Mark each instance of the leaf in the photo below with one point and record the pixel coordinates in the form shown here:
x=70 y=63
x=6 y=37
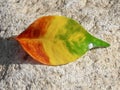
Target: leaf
x=57 y=40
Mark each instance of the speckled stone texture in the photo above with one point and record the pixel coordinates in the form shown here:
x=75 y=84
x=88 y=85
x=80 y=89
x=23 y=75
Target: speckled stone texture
x=99 y=69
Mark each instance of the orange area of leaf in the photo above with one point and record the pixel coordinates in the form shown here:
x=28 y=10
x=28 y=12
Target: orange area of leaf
x=30 y=39
x=36 y=50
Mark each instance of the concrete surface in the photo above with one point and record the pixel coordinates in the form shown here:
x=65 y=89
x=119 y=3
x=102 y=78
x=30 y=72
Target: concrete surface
x=99 y=69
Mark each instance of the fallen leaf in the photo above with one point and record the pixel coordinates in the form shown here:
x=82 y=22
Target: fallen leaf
x=57 y=40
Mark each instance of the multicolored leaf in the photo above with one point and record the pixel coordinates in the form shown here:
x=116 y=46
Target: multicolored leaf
x=57 y=40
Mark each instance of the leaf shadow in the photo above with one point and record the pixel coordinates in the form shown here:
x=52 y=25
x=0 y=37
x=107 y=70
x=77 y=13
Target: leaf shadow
x=12 y=53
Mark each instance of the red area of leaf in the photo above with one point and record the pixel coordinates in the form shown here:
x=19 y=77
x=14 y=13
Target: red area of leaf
x=37 y=29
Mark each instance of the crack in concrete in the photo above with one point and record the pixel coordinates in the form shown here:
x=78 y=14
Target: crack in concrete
x=3 y=72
